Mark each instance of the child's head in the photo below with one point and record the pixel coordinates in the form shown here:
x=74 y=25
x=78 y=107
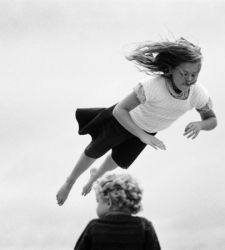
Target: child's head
x=162 y=57
x=118 y=192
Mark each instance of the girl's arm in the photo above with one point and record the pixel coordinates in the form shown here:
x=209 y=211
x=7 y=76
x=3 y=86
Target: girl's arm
x=121 y=113
x=208 y=122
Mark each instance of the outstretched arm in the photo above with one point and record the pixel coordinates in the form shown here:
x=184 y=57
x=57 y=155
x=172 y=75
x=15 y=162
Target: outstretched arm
x=121 y=113
x=208 y=122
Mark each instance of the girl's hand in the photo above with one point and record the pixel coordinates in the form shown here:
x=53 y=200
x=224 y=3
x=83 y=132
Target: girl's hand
x=153 y=142
x=192 y=130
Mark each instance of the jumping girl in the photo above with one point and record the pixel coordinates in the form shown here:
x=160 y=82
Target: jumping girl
x=154 y=104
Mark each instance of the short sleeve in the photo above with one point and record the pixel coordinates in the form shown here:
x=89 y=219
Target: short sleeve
x=140 y=93
x=210 y=103
x=208 y=106
x=147 y=89
x=202 y=97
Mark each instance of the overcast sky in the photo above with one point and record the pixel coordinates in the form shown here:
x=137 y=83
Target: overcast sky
x=56 y=56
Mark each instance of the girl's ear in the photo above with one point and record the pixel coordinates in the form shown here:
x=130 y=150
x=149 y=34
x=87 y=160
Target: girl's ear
x=109 y=202
x=170 y=71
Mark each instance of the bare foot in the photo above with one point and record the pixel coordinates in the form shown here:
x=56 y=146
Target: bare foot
x=63 y=193
x=87 y=188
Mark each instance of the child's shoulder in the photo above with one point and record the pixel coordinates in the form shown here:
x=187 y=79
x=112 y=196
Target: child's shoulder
x=153 y=84
x=93 y=222
x=153 y=79
x=199 y=89
x=120 y=220
x=143 y=220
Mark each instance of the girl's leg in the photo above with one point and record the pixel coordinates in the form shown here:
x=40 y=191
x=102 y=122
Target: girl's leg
x=83 y=164
x=108 y=165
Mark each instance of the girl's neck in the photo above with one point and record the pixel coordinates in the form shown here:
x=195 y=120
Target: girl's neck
x=176 y=90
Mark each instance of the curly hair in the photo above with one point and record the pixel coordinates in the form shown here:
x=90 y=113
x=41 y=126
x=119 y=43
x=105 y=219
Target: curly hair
x=123 y=191
x=159 y=57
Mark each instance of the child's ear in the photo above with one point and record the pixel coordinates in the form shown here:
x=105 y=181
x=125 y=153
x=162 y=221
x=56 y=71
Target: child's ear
x=109 y=202
x=169 y=71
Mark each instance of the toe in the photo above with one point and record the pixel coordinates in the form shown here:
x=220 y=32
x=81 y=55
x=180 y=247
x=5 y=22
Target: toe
x=60 y=202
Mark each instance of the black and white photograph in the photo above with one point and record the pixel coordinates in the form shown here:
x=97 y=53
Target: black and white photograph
x=112 y=132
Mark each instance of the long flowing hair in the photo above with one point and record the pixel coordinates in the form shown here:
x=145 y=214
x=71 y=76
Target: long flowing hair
x=160 y=57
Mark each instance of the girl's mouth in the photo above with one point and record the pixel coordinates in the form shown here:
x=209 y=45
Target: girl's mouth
x=187 y=85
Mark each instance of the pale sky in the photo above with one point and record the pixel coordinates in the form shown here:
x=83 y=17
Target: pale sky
x=59 y=55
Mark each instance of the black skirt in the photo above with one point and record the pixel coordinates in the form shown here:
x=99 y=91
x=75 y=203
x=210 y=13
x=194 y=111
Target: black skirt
x=108 y=134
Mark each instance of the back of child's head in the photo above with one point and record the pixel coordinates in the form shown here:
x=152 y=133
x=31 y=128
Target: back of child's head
x=160 y=57
x=122 y=190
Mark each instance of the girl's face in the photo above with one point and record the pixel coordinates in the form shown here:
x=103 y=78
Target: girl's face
x=103 y=206
x=185 y=75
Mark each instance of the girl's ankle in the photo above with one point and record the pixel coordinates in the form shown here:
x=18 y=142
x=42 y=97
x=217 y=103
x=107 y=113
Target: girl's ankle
x=70 y=182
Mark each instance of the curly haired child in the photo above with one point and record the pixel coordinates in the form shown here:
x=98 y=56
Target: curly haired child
x=118 y=199
x=170 y=90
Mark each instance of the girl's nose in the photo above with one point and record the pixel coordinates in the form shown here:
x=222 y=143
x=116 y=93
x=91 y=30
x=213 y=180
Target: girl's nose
x=189 y=78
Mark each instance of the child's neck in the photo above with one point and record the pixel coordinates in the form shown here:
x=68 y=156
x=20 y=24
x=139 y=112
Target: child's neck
x=176 y=90
x=117 y=212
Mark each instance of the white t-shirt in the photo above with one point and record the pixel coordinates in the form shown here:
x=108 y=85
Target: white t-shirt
x=158 y=108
